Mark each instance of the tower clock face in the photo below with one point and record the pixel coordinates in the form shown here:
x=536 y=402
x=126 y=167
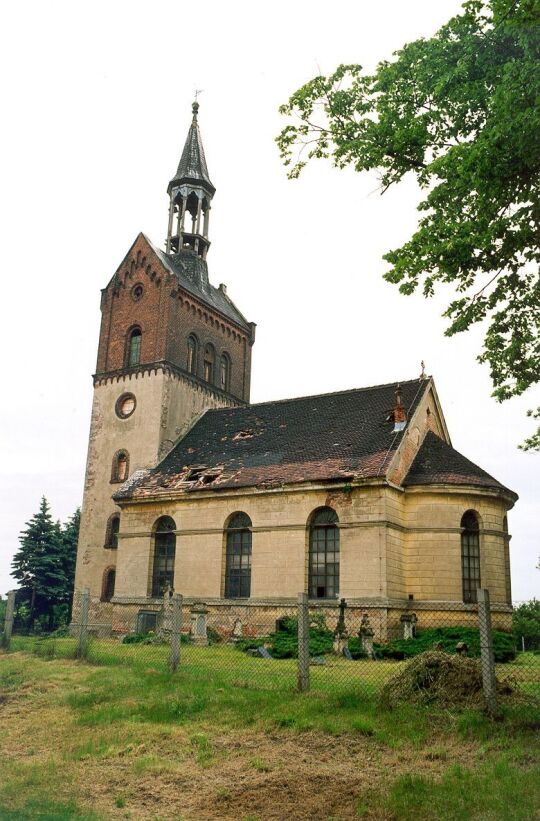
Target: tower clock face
x=125 y=405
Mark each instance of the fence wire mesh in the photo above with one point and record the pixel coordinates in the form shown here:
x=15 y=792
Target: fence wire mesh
x=473 y=657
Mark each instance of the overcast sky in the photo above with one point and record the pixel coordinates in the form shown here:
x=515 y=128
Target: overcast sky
x=96 y=104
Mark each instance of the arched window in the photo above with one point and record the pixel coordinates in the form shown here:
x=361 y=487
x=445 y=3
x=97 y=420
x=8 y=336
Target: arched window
x=107 y=587
x=209 y=360
x=324 y=555
x=238 y=557
x=470 y=555
x=224 y=372
x=133 y=355
x=164 y=554
x=120 y=466
x=507 y=577
x=111 y=536
x=192 y=354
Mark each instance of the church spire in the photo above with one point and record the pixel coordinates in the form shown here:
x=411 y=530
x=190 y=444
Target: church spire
x=190 y=192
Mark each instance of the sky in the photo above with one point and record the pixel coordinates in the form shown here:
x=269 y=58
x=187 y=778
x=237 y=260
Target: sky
x=96 y=104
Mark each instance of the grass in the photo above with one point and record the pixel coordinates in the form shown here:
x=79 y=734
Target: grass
x=228 y=737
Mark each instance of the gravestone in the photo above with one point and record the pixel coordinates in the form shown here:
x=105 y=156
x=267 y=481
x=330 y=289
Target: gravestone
x=347 y=654
x=236 y=634
x=198 y=631
x=366 y=634
x=409 y=621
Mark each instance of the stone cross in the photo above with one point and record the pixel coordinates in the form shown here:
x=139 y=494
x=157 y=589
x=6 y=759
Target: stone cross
x=341 y=636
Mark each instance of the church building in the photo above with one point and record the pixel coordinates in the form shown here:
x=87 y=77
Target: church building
x=189 y=487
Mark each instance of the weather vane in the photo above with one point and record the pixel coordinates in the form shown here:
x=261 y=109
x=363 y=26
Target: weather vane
x=197 y=92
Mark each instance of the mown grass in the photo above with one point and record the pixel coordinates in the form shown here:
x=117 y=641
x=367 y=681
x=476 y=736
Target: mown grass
x=127 y=709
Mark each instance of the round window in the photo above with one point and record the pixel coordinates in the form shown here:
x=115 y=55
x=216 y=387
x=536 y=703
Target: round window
x=125 y=405
x=137 y=291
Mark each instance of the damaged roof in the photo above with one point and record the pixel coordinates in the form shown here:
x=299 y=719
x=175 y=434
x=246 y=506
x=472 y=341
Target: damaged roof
x=334 y=436
x=438 y=463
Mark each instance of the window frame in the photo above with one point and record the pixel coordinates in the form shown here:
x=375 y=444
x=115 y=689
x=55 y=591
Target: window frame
x=225 y=362
x=111 y=536
x=470 y=557
x=106 y=593
x=164 y=539
x=329 y=530
x=209 y=358
x=191 y=363
x=238 y=545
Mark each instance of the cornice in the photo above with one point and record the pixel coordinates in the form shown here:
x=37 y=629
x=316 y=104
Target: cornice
x=164 y=366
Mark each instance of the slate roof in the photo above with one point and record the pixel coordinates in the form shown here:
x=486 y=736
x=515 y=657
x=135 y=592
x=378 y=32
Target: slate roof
x=192 y=274
x=438 y=463
x=192 y=166
x=334 y=436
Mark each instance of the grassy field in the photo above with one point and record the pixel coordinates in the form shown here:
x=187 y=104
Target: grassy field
x=228 y=738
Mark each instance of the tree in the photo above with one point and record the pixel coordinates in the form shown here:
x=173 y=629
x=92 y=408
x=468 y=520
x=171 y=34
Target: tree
x=526 y=624
x=460 y=111
x=44 y=566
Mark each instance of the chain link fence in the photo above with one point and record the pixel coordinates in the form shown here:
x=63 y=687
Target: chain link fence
x=470 y=656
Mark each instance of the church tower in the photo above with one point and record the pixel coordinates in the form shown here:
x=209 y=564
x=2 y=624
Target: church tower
x=171 y=346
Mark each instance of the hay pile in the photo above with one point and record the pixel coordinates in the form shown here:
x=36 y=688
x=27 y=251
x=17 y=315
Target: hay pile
x=438 y=677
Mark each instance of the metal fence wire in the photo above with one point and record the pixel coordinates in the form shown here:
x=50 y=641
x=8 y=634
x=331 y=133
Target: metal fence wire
x=473 y=654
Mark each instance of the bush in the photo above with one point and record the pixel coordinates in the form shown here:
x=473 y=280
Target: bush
x=446 y=638
x=284 y=643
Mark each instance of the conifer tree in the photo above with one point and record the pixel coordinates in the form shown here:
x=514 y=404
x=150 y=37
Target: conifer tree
x=37 y=564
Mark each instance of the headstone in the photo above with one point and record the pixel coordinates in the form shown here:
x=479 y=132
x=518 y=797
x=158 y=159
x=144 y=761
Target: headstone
x=462 y=648
x=366 y=634
x=236 y=634
x=198 y=631
x=347 y=654
x=409 y=621
x=263 y=653
x=317 y=660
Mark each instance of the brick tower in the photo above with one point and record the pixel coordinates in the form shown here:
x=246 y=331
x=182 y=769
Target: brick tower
x=171 y=346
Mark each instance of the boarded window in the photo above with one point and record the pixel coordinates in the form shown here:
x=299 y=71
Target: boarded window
x=324 y=555
x=238 y=557
x=134 y=347
x=209 y=360
x=224 y=373
x=192 y=354
x=120 y=466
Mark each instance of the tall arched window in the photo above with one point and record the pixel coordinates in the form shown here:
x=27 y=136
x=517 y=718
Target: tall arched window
x=324 y=554
x=238 y=557
x=507 y=577
x=192 y=354
x=164 y=554
x=209 y=360
x=107 y=587
x=133 y=356
x=120 y=466
x=224 y=372
x=470 y=556
x=111 y=536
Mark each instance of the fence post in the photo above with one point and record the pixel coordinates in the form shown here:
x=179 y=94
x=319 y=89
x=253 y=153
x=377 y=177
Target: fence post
x=486 y=651
x=303 y=642
x=176 y=628
x=83 y=624
x=8 y=622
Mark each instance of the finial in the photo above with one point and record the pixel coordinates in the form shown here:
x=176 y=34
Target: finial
x=423 y=366
x=398 y=395
x=195 y=108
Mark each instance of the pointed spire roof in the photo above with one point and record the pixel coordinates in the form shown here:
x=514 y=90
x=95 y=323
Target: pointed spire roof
x=192 y=168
